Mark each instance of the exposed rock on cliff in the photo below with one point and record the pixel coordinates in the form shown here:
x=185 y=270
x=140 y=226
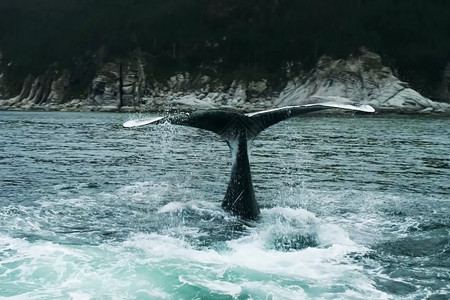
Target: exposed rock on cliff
x=122 y=85
x=363 y=79
x=59 y=89
x=117 y=84
x=46 y=90
x=186 y=93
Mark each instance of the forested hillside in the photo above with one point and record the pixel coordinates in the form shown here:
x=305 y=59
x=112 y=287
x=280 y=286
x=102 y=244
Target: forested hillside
x=223 y=38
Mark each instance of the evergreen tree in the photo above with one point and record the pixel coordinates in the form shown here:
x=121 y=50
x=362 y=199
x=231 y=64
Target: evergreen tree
x=226 y=37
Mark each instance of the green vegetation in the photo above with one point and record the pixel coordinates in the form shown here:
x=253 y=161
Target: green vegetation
x=224 y=38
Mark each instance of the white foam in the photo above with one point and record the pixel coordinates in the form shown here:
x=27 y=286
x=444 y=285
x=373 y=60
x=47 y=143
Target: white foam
x=331 y=234
x=273 y=290
x=320 y=267
x=159 y=266
x=216 y=286
x=172 y=207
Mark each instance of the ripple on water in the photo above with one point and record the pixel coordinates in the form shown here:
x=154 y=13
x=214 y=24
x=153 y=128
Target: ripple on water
x=352 y=208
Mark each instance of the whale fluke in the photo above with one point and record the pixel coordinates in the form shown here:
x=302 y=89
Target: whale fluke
x=239 y=130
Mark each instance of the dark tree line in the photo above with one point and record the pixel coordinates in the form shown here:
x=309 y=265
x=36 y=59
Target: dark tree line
x=231 y=38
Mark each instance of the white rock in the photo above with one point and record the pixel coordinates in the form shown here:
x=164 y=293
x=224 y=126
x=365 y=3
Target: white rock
x=396 y=102
x=427 y=110
x=193 y=102
x=361 y=79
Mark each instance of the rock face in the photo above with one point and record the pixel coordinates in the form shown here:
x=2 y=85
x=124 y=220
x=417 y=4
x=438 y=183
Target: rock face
x=363 y=79
x=117 y=84
x=186 y=93
x=59 y=89
x=50 y=89
x=122 y=85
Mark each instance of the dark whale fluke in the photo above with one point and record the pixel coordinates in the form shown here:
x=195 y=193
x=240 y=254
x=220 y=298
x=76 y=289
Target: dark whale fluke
x=239 y=130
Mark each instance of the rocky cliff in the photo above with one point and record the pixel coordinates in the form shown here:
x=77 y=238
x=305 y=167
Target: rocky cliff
x=363 y=79
x=123 y=85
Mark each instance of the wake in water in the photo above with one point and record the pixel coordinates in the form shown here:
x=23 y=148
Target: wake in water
x=184 y=249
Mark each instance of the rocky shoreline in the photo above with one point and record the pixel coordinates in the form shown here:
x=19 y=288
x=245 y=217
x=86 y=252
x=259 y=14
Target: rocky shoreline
x=122 y=87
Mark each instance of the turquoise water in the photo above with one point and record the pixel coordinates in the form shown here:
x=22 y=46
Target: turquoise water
x=352 y=208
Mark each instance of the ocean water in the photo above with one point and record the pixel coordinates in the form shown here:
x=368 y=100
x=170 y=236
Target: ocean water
x=353 y=207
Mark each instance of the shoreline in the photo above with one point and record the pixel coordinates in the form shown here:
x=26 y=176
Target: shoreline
x=175 y=109
x=361 y=80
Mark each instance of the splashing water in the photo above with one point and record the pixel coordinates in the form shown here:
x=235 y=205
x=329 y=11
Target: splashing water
x=91 y=211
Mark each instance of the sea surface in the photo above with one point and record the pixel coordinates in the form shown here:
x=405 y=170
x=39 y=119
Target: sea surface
x=352 y=207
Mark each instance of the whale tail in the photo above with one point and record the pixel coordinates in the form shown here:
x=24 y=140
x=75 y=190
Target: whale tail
x=239 y=130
